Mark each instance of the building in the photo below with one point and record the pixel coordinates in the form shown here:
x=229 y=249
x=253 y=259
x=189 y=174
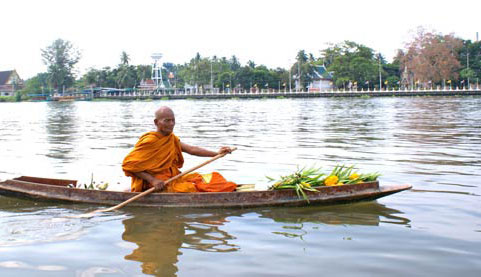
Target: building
x=147 y=84
x=322 y=79
x=10 y=82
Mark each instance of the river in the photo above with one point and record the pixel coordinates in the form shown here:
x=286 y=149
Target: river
x=432 y=143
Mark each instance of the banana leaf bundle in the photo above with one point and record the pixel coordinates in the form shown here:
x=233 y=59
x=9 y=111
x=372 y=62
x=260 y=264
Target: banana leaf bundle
x=303 y=180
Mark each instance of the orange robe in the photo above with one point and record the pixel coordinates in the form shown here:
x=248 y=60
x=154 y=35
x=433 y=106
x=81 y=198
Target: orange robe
x=161 y=156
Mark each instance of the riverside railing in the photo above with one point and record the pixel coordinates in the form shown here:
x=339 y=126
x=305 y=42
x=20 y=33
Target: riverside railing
x=271 y=92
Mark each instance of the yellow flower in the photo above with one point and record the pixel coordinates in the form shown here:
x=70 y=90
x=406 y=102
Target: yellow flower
x=304 y=184
x=354 y=176
x=331 y=180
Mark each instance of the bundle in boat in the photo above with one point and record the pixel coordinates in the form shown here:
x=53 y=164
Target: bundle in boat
x=310 y=179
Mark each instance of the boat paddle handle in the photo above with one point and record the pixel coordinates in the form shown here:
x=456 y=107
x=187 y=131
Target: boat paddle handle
x=152 y=189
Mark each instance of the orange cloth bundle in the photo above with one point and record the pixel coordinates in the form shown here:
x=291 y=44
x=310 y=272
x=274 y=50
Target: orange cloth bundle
x=161 y=156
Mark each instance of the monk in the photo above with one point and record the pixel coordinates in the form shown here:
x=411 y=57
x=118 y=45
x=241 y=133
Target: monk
x=157 y=156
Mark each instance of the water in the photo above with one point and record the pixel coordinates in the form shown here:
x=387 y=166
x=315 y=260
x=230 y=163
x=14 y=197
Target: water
x=432 y=143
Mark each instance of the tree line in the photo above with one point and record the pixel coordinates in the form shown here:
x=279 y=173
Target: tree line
x=429 y=59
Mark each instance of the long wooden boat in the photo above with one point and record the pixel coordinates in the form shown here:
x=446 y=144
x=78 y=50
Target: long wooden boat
x=59 y=190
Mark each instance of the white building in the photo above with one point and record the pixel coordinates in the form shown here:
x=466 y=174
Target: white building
x=322 y=79
x=9 y=83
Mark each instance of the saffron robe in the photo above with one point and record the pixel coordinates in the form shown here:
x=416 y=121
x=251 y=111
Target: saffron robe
x=161 y=156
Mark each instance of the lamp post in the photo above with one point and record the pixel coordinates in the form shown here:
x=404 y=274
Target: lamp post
x=299 y=74
x=290 y=87
x=380 y=77
x=211 y=78
x=467 y=65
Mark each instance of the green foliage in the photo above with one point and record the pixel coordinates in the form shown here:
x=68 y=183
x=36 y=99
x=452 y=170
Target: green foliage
x=392 y=81
x=60 y=58
x=467 y=73
x=303 y=180
x=470 y=52
x=199 y=71
x=303 y=68
x=7 y=99
x=124 y=58
x=38 y=84
x=124 y=76
x=351 y=62
x=348 y=61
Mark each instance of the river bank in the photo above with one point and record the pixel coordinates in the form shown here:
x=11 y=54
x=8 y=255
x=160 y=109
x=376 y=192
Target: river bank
x=180 y=94
x=292 y=94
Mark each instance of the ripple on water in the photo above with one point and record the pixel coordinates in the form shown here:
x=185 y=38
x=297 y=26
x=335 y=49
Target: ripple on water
x=32 y=226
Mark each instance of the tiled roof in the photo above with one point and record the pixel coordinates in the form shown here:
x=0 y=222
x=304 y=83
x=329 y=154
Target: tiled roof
x=4 y=75
x=321 y=72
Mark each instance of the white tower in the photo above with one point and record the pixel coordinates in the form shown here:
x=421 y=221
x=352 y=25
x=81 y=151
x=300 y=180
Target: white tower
x=156 y=70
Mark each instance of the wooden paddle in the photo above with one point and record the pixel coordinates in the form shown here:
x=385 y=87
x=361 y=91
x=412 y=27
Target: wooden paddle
x=91 y=214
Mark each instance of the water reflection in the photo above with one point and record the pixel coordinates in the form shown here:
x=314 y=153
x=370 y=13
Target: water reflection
x=62 y=130
x=161 y=237
x=363 y=213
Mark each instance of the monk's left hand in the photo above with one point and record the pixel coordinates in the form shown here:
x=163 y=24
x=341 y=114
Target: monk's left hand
x=158 y=184
x=225 y=150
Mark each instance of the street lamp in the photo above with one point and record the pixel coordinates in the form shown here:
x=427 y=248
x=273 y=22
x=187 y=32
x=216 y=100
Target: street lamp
x=380 y=77
x=290 y=87
x=467 y=65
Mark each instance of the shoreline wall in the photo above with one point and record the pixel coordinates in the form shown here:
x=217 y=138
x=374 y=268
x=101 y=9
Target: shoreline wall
x=297 y=95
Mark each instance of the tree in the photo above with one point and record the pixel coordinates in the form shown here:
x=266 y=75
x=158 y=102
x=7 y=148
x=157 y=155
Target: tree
x=60 y=58
x=303 y=68
x=126 y=76
x=251 y=64
x=235 y=64
x=432 y=57
x=92 y=77
x=37 y=84
x=352 y=62
x=467 y=73
x=470 y=60
x=124 y=58
x=143 y=72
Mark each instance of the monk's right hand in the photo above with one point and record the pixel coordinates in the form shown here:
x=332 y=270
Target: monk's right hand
x=225 y=150
x=158 y=184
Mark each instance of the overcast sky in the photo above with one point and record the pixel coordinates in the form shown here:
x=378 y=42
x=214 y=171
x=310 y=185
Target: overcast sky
x=267 y=32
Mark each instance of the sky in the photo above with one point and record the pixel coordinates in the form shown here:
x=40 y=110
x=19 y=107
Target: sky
x=267 y=32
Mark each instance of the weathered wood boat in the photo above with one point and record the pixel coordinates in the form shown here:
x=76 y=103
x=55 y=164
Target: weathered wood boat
x=59 y=190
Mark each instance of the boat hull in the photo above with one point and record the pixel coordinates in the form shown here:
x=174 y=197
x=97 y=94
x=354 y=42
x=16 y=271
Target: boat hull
x=58 y=190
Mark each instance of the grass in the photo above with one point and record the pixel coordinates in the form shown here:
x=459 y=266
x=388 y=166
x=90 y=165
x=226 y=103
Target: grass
x=101 y=99
x=7 y=99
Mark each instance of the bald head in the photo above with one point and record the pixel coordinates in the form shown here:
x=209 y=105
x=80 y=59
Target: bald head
x=164 y=120
x=163 y=111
